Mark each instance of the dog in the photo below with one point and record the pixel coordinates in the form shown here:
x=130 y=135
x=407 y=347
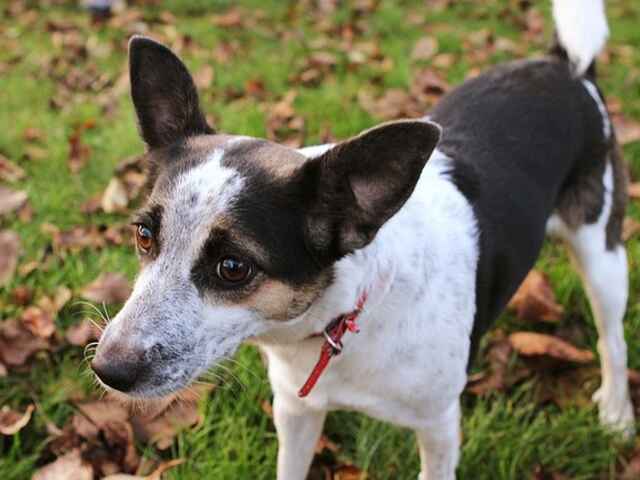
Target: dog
x=415 y=232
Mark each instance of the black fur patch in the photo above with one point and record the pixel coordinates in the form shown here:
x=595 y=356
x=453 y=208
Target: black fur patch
x=164 y=95
x=520 y=136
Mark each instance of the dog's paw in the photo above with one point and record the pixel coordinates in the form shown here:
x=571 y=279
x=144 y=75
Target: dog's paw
x=615 y=411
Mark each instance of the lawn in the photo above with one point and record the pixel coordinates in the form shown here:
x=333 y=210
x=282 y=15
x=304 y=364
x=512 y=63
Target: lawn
x=300 y=72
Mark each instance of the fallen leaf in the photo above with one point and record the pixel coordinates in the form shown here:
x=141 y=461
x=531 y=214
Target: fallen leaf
x=428 y=85
x=68 y=467
x=627 y=130
x=79 y=152
x=535 y=300
x=634 y=190
x=425 y=48
x=9 y=253
x=632 y=469
x=161 y=429
x=349 y=472
x=155 y=475
x=11 y=422
x=9 y=171
x=75 y=239
x=21 y=295
x=204 y=77
x=267 y=408
x=325 y=444
x=33 y=152
x=11 y=200
x=33 y=134
x=231 y=18
x=630 y=228
x=444 y=60
x=38 y=321
x=533 y=344
x=82 y=333
x=114 y=198
x=108 y=288
x=95 y=415
x=17 y=343
x=394 y=103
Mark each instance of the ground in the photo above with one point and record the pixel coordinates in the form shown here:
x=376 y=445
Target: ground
x=61 y=77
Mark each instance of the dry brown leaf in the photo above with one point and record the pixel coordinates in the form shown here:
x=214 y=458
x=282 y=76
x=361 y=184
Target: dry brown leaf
x=108 y=288
x=82 y=333
x=534 y=344
x=22 y=295
x=11 y=200
x=79 y=152
x=204 y=77
x=231 y=18
x=38 y=321
x=17 y=343
x=155 y=475
x=33 y=152
x=392 y=104
x=267 y=408
x=632 y=469
x=427 y=86
x=535 y=300
x=115 y=198
x=9 y=253
x=630 y=228
x=325 y=444
x=33 y=134
x=9 y=171
x=425 y=48
x=444 y=60
x=96 y=415
x=161 y=429
x=11 y=422
x=349 y=472
x=627 y=130
x=68 y=467
x=634 y=190
x=75 y=239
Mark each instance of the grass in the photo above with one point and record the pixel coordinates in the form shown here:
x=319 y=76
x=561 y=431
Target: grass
x=505 y=436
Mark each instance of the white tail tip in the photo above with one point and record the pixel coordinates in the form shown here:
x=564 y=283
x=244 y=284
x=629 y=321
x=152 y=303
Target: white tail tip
x=582 y=30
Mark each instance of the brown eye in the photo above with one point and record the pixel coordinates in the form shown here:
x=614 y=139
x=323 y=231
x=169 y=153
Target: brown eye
x=144 y=238
x=234 y=270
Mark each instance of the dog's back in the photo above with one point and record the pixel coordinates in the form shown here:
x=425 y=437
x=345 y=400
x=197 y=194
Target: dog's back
x=529 y=139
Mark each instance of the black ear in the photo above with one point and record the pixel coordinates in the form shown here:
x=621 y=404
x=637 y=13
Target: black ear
x=163 y=94
x=361 y=183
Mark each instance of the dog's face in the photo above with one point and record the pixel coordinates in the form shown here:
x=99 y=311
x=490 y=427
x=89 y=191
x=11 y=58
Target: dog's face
x=239 y=234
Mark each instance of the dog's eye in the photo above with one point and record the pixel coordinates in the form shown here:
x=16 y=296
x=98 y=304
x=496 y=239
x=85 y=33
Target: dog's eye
x=144 y=238
x=234 y=270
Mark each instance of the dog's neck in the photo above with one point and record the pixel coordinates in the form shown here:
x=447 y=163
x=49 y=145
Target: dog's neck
x=368 y=270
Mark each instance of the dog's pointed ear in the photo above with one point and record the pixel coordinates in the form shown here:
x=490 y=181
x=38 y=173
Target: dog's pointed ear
x=164 y=94
x=359 y=184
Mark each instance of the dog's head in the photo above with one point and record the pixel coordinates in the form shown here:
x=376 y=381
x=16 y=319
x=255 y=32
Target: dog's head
x=238 y=234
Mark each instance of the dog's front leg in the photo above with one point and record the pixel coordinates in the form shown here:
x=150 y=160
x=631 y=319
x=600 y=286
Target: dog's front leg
x=298 y=430
x=439 y=444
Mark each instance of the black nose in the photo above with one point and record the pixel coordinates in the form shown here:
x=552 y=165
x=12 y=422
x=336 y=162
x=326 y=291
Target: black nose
x=119 y=374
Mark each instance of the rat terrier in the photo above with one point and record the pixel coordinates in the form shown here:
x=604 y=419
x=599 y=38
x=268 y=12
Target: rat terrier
x=417 y=232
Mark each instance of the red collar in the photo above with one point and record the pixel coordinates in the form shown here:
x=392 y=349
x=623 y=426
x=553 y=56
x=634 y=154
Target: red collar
x=332 y=345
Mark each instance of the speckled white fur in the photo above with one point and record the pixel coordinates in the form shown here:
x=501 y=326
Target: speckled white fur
x=408 y=363
x=600 y=269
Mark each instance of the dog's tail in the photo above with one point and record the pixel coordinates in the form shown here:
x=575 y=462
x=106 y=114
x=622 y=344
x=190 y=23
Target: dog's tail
x=581 y=32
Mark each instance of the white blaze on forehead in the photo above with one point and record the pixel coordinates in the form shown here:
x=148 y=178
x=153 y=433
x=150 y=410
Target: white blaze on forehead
x=199 y=197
